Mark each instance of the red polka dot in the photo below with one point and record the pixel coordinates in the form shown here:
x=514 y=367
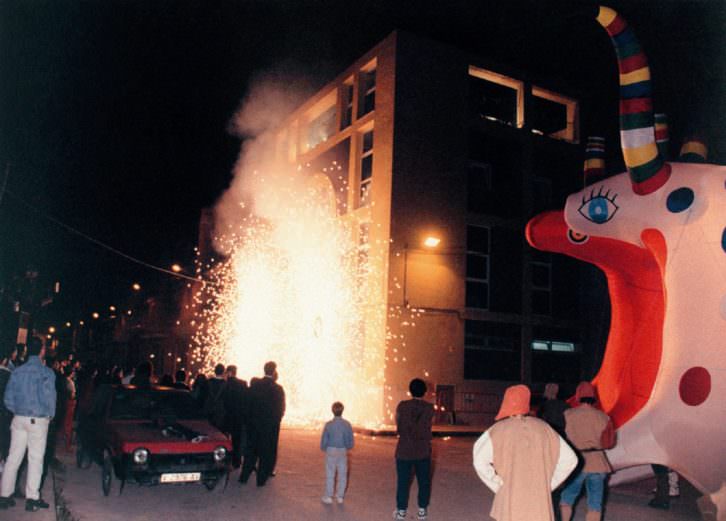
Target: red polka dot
x=695 y=386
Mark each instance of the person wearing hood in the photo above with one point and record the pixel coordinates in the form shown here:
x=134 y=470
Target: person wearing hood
x=591 y=432
x=522 y=459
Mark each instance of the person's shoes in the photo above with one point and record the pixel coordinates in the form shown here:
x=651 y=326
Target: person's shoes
x=339 y=500
x=33 y=505
x=6 y=502
x=422 y=514
x=18 y=495
x=243 y=477
x=261 y=482
x=399 y=515
x=327 y=500
x=662 y=505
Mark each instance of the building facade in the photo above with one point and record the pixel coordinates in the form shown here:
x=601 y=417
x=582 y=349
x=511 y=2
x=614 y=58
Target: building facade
x=440 y=160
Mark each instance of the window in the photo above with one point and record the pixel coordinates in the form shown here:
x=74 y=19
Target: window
x=496 y=97
x=553 y=115
x=553 y=345
x=541 y=287
x=346 y=94
x=491 y=350
x=477 y=267
x=366 y=168
x=321 y=128
x=368 y=90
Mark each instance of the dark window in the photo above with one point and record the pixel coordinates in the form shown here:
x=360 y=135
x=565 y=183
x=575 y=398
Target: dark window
x=541 y=302
x=492 y=101
x=477 y=239
x=491 y=350
x=366 y=168
x=368 y=90
x=347 y=116
x=546 y=116
x=477 y=294
x=477 y=267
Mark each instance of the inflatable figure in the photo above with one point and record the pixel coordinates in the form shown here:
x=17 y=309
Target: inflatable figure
x=658 y=231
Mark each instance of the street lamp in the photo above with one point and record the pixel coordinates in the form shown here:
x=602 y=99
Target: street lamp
x=95 y=315
x=136 y=286
x=431 y=241
x=176 y=268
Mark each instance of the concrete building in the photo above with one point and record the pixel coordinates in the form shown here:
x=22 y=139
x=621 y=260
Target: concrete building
x=441 y=158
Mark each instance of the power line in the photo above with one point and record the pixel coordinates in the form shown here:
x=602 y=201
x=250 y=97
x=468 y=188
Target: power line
x=94 y=240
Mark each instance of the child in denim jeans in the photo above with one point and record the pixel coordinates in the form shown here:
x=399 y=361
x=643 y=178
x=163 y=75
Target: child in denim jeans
x=336 y=441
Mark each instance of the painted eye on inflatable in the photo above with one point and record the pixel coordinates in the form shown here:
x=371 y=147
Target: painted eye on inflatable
x=599 y=208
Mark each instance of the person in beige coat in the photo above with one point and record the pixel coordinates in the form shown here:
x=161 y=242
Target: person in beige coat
x=590 y=431
x=522 y=459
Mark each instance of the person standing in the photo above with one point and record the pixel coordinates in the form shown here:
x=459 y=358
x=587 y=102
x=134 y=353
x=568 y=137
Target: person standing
x=5 y=415
x=413 y=451
x=235 y=408
x=214 y=405
x=31 y=396
x=336 y=441
x=591 y=432
x=522 y=459
x=553 y=409
x=267 y=407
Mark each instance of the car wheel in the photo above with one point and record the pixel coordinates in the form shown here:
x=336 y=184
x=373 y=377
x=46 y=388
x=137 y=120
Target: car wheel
x=211 y=484
x=106 y=473
x=83 y=458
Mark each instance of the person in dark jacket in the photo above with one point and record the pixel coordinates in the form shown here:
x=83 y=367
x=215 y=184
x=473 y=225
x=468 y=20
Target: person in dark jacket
x=553 y=409
x=180 y=379
x=214 y=404
x=267 y=407
x=235 y=407
x=5 y=415
x=413 y=451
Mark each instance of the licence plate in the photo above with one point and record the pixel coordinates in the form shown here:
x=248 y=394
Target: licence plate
x=180 y=477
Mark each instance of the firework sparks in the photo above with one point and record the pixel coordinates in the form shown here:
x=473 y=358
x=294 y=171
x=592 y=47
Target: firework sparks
x=296 y=289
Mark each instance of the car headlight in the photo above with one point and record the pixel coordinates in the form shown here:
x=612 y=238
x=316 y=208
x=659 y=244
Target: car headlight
x=140 y=456
x=219 y=454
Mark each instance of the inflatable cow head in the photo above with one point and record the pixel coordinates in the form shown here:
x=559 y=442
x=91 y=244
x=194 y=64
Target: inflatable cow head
x=658 y=231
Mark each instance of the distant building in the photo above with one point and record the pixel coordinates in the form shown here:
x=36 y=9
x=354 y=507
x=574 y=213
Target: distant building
x=435 y=143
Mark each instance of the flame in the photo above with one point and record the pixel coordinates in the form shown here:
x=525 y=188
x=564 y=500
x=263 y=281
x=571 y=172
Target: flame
x=296 y=289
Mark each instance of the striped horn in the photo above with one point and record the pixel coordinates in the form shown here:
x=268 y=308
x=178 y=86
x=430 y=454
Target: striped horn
x=648 y=169
x=694 y=150
x=594 y=169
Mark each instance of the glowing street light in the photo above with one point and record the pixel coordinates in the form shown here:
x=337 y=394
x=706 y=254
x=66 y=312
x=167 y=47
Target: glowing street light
x=112 y=308
x=51 y=329
x=95 y=315
x=431 y=241
x=68 y=324
x=176 y=268
x=136 y=286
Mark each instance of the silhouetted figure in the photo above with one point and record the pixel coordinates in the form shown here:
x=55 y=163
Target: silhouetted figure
x=214 y=405
x=180 y=379
x=166 y=381
x=142 y=378
x=267 y=407
x=235 y=406
x=553 y=409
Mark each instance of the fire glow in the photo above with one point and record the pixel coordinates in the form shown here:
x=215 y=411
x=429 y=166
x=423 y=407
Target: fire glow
x=295 y=288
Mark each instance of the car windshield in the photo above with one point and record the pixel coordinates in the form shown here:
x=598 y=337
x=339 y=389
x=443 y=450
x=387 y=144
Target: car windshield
x=148 y=404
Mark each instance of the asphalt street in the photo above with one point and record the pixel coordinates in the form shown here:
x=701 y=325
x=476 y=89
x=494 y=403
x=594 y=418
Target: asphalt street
x=294 y=494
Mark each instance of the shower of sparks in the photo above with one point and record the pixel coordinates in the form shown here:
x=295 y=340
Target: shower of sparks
x=296 y=289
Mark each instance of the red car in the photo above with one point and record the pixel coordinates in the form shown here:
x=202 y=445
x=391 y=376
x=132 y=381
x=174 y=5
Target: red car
x=151 y=435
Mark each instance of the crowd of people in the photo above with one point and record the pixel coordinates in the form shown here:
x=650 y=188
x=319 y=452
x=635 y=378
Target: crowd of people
x=532 y=464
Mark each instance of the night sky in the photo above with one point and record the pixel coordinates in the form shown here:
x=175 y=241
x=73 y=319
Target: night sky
x=114 y=115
